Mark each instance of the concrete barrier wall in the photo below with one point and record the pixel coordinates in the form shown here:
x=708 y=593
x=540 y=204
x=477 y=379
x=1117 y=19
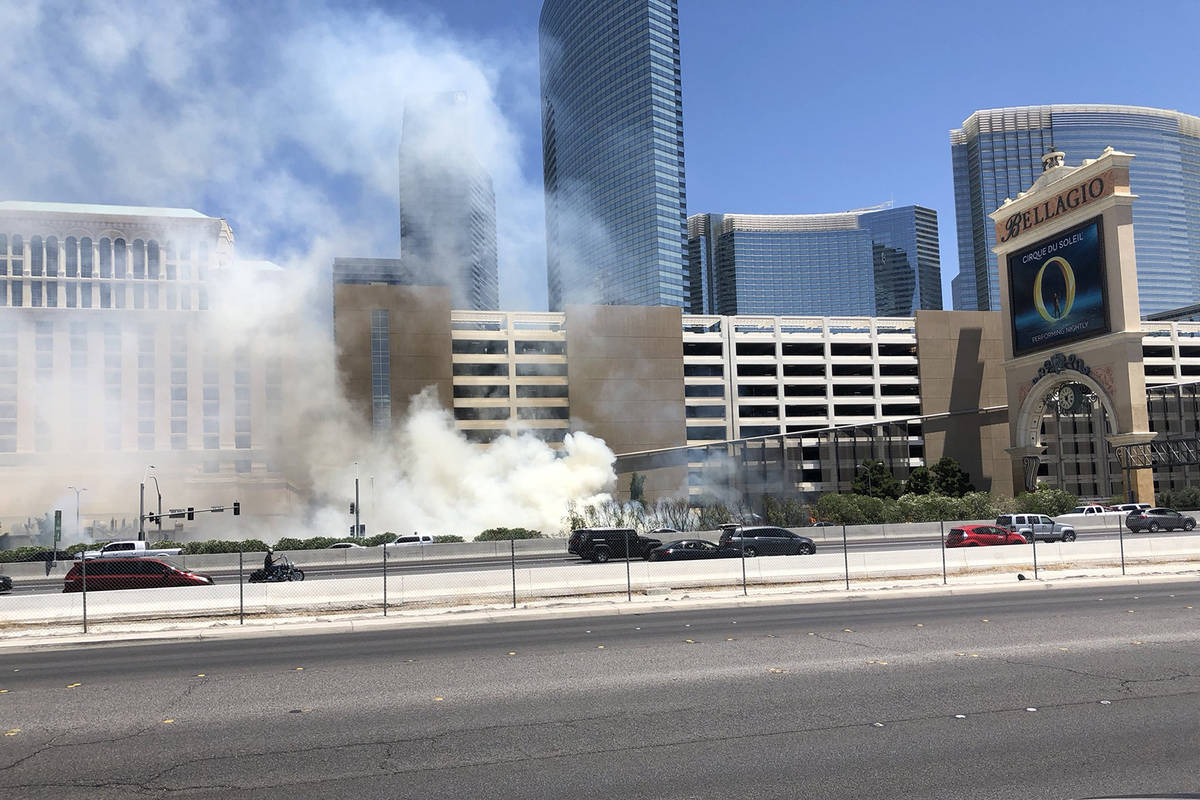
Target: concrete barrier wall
x=582 y=578
x=227 y=562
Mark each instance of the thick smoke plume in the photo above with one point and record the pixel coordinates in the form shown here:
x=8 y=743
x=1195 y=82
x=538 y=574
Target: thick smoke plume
x=287 y=123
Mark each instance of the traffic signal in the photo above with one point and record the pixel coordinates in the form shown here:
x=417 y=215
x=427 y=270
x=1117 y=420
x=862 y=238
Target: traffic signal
x=352 y=508
x=191 y=513
x=237 y=508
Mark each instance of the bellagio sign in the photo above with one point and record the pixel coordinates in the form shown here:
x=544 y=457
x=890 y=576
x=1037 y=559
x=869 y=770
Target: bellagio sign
x=1068 y=200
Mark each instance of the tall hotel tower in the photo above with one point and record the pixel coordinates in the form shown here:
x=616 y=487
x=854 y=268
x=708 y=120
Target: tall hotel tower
x=447 y=204
x=998 y=153
x=612 y=138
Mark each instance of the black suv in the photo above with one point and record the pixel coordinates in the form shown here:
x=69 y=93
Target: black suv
x=766 y=540
x=601 y=544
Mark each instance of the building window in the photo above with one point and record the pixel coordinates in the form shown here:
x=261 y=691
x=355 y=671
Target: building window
x=241 y=399
x=381 y=371
x=112 y=386
x=147 y=369
x=52 y=257
x=36 y=252
x=72 y=256
x=120 y=259
x=85 y=257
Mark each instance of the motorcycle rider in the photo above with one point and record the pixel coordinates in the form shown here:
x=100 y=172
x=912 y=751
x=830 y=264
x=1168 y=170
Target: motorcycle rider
x=269 y=563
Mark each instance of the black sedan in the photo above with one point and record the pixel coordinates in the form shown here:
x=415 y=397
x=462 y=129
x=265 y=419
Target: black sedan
x=5 y=584
x=1156 y=519
x=691 y=549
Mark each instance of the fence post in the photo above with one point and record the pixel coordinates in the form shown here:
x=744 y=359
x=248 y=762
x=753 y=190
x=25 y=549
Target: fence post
x=512 y=560
x=742 y=543
x=846 y=556
x=385 y=581
x=1121 y=537
x=942 y=541
x=241 y=590
x=83 y=570
x=628 y=581
x=1034 y=546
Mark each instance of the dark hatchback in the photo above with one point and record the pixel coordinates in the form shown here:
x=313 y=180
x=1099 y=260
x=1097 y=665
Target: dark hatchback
x=5 y=584
x=766 y=540
x=1158 y=519
x=104 y=574
x=693 y=549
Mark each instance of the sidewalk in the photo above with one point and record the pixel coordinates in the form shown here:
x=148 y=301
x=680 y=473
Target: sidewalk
x=196 y=629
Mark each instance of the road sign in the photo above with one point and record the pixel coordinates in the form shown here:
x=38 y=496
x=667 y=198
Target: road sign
x=176 y=513
x=217 y=509
x=57 y=528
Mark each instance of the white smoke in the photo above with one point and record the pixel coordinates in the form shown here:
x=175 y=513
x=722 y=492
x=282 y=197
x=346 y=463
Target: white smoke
x=286 y=121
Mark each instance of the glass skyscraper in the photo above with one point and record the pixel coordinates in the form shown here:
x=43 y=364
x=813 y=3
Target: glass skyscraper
x=612 y=138
x=447 y=204
x=882 y=262
x=997 y=154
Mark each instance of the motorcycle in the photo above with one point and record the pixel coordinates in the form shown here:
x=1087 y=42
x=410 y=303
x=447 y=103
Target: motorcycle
x=284 y=570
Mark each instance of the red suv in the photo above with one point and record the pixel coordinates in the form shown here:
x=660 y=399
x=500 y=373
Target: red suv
x=982 y=535
x=130 y=573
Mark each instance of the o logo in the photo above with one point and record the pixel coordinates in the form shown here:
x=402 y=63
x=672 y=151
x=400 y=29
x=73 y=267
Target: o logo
x=1060 y=307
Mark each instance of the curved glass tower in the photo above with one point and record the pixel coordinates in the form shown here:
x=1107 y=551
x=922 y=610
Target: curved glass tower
x=997 y=153
x=612 y=139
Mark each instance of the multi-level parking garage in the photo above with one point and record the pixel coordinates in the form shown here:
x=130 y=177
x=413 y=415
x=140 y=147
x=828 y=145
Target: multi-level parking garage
x=787 y=403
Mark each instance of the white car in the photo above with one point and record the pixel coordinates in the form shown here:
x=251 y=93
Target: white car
x=345 y=546
x=1132 y=507
x=422 y=538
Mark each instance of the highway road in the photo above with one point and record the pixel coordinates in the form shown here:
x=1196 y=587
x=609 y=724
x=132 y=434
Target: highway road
x=1029 y=693
x=417 y=566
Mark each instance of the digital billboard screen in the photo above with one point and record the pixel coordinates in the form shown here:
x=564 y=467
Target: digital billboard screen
x=1057 y=289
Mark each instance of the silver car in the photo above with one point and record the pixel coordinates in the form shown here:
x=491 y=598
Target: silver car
x=1037 y=526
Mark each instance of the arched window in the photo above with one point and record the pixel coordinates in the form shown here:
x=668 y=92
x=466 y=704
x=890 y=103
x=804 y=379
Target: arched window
x=3 y=254
x=170 y=254
x=36 y=252
x=152 y=260
x=139 y=258
x=52 y=256
x=105 y=258
x=17 y=260
x=120 y=259
x=202 y=262
x=71 y=257
x=85 y=257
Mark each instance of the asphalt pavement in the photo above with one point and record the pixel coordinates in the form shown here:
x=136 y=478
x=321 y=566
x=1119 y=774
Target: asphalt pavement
x=1029 y=693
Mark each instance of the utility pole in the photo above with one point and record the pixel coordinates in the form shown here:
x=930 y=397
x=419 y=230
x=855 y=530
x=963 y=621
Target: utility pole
x=357 y=507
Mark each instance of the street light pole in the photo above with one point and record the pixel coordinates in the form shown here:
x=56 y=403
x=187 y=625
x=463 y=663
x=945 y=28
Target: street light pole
x=77 y=493
x=142 y=502
x=357 y=507
x=159 y=493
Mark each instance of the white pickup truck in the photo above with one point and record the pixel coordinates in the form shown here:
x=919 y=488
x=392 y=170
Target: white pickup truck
x=129 y=548
x=1092 y=516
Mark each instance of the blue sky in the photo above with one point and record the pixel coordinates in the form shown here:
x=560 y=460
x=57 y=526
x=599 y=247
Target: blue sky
x=796 y=107
x=285 y=118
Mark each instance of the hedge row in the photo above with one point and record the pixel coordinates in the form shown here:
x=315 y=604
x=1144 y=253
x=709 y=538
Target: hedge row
x=857 y=509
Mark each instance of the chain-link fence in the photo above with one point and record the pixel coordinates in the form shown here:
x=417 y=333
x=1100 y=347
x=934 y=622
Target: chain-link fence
x=234 y=587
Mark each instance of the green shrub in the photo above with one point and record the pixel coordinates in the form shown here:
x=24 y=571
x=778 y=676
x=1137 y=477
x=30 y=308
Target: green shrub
x=216 y=546
x=1045 y=500
x=447 y=539
x=504 y=534
x=378 y=539
x=1187 y=498
x=19 y=553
